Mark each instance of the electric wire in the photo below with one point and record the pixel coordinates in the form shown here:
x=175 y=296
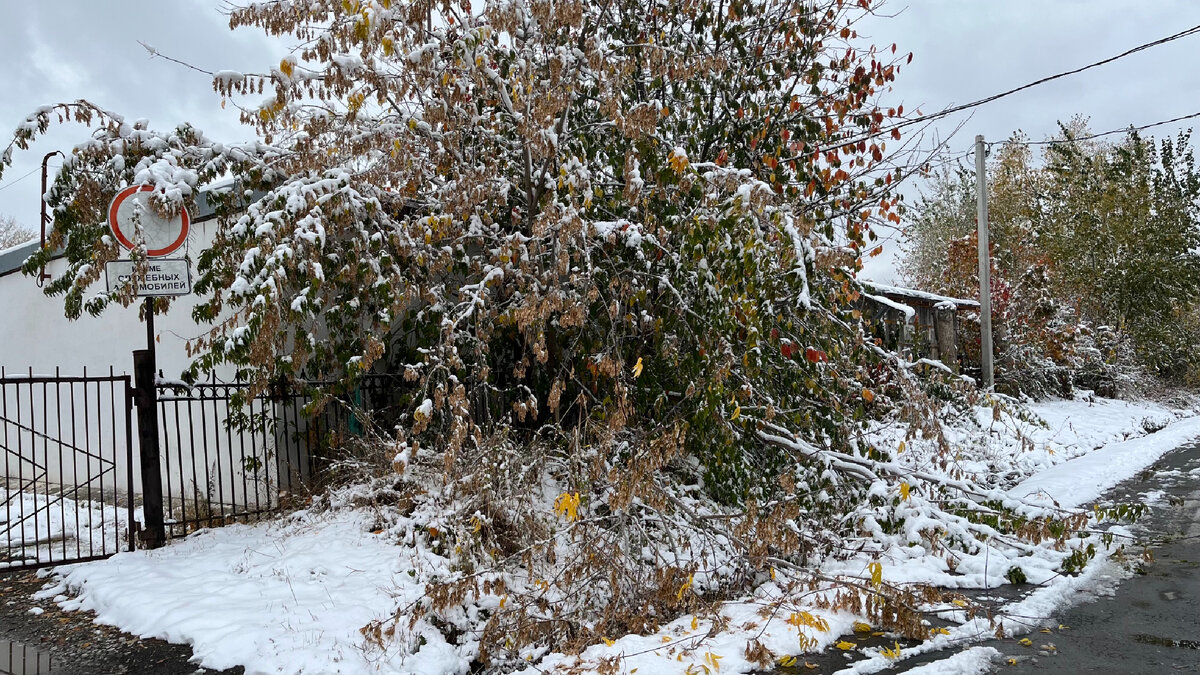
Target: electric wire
x=995 y=97
x=18 y=180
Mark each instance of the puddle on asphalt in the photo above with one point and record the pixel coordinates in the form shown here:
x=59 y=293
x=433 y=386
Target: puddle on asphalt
x=19 y=659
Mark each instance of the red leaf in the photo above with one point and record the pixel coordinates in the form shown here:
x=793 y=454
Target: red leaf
x=815 y=355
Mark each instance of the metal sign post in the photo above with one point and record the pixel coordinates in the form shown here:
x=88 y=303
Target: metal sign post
x=146 y=400
x=133 y=220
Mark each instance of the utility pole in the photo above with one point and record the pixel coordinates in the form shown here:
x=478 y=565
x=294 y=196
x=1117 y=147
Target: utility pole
x=985 y=266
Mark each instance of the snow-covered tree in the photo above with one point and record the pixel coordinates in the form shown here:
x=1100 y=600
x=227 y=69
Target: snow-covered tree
x=610 y=246
x=12 y=232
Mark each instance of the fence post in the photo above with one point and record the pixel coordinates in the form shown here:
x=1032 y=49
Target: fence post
x=146 y=400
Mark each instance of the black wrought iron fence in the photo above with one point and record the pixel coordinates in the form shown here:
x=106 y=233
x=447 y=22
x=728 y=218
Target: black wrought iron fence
x=228 y=457
x=68 y=468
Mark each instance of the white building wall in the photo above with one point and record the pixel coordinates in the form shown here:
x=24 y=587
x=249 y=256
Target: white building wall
x=37 y=339
x=35 y=335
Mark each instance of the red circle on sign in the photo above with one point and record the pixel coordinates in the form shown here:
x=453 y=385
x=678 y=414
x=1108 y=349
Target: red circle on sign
x=114 y=224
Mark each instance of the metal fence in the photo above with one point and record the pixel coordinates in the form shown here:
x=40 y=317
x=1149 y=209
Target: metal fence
x=68 y=466
x=72 y=488
x=227 y=457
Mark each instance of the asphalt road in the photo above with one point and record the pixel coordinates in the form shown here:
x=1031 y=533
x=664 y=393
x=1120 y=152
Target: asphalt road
x=1151 y=623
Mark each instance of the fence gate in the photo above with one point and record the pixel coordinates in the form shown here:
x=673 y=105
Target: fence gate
x=68 y=457
x=222 y=462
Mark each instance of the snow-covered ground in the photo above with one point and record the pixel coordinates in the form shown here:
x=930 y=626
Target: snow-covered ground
x=38 y=526
x=295 y=595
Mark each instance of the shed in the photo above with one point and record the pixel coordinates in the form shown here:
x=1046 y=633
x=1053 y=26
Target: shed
x=925 y=322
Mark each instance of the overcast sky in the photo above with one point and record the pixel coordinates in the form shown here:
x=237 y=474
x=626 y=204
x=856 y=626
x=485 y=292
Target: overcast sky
x=62 y=50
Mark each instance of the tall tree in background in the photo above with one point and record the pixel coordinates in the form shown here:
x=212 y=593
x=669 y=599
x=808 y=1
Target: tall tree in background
x=1126 y=240
x=13 y=233
x=1095 y=243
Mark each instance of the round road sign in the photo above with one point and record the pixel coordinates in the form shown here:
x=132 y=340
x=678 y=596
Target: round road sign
x=132 y=205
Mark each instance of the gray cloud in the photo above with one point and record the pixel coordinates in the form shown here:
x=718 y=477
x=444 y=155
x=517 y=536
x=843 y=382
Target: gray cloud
x=69 y=49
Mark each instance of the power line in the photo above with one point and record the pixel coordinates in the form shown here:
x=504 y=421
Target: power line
x=1110 y=132
x=994 y=97
x=31 y=172
x=974 y=104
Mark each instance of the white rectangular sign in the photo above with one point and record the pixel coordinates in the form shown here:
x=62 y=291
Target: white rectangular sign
x=164 y=276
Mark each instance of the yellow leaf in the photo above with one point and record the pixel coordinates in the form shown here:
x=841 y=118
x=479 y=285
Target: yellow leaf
x=684 y=588
x=959 y=602
x=608 y=641
x=904 y=488
x=844 y=646
x=1046 y=630
x=737 y=412
x=876 y=571
x=787 y=661
x=799 y=619
x=1025 y=642
x=868 y=395
x=1012 y=662
x=938 y=631
x=860 y=627
x=695 y=622
x=567 y=505
x=637 y=368
x=810 y=666
x=901 y=448
x=892 y=653
x=285 y=67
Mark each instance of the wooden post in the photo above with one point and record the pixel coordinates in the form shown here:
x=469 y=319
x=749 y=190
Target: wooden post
x=943 y=328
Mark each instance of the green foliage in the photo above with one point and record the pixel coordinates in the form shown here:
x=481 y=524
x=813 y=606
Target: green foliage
x=1074 y=563
x=1095 y=248
x=1016 y=576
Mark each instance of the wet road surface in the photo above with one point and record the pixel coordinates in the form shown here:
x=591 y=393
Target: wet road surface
x=1151 y=623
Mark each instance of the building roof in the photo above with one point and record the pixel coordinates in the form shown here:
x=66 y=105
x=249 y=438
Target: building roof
x=914 y=298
